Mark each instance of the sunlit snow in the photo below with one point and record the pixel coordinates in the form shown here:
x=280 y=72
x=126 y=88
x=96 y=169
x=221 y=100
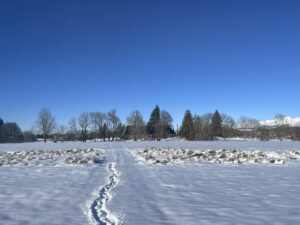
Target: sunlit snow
x=47 y=190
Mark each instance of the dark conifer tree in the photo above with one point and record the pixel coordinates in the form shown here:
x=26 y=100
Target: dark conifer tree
x=154 y=124
x=1 y=130
x=104 y=132
x=186 y=129
x=216 y=125
x=10 y=132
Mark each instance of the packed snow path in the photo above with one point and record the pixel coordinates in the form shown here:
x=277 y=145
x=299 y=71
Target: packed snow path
x=99 y=207
x=203 y=193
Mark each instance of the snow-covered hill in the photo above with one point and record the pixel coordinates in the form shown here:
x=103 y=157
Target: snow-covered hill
x=286 y=121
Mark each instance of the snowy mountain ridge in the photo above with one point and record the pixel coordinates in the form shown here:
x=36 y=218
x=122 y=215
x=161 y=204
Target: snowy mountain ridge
x=285 y=121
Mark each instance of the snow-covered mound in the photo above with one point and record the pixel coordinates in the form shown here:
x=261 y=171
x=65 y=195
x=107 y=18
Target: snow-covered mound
x=68 y=156
x=286 y=121
x=170 y=155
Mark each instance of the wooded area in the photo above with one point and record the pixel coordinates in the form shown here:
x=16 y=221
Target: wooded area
x=101 y=126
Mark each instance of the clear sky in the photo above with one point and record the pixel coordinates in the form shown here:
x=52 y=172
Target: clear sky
x=240 y=57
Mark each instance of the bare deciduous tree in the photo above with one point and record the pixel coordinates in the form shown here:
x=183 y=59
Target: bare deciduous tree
x=72 y=129
x=61 y=131
x=197 y=128
x=228 y=125
x=248 y=123
x=114 y=121
x=98 y=121
x=249 y=126
x=281 y=126
x=166 y=121
x=136 y=124
x=280 y=119
x=46 y=123
x=84 y=122
x=206 y=121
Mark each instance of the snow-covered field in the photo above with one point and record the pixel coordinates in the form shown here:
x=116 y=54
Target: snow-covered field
x=114 y=183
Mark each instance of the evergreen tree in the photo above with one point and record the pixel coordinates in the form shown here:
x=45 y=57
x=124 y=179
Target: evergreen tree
x=104 y=132
x=216 y=125
x=186 y=129
x=197 y=128
x=154 y=124
x=1 y=130
x=10 y=132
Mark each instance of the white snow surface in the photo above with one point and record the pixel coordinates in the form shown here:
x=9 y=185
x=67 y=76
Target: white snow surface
x=166 y=156
x=191 y=192
x=287 y=121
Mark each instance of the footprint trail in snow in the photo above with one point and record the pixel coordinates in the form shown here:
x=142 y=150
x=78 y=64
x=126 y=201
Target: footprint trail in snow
x=99 y=210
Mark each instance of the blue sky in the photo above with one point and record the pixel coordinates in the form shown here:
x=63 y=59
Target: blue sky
x=240 y=57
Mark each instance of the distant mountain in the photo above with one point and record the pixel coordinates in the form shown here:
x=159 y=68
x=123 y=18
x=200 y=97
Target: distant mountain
x=286 y=121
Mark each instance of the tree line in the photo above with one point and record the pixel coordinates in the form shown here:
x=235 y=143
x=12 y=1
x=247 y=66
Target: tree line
x=10 y=132
x=207 y=127
x=216 y=126
x=107 y=126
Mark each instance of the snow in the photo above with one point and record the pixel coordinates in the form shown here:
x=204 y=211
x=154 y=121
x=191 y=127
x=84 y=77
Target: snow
x=68 y=156
x=99 y=214
x=170 y=155
x=47 y=194
x=133 y=191
x=287 y=121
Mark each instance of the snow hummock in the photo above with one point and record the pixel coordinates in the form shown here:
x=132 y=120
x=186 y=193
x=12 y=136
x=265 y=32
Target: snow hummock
x=68 y=156
x=286 y=121
x=166 y=156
